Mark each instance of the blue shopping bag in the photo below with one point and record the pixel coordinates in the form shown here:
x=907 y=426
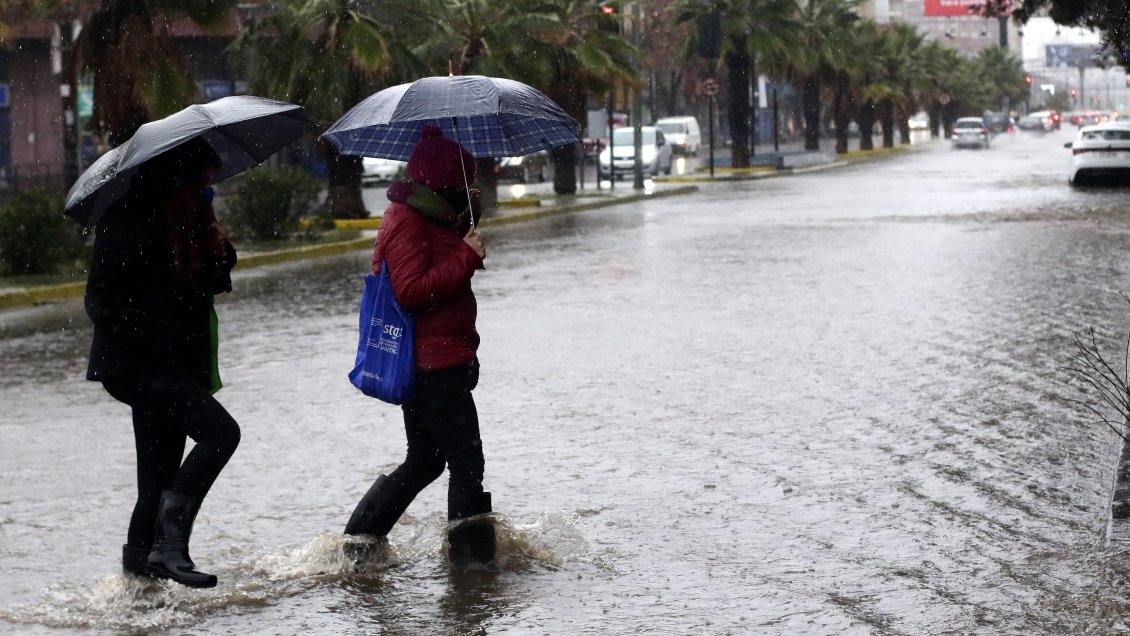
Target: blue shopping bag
x=384 y=367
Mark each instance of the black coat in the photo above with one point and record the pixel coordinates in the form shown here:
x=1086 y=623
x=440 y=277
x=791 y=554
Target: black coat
x=142 y=317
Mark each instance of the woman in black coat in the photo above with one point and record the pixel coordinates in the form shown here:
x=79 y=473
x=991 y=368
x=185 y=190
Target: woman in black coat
x=159 y=257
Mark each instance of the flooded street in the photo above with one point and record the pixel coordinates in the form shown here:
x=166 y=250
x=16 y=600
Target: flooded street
x=830 y=403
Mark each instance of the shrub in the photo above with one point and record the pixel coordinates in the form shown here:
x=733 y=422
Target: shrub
x=269 y=202
x=35 y=236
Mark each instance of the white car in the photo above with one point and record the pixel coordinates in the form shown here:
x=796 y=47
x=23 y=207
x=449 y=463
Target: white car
x=375 y=170
x=655 y=152
x=682 y=133
x=969 y=132
x=1100 y=154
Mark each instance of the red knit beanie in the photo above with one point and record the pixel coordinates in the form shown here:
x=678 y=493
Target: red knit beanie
x=435 y=161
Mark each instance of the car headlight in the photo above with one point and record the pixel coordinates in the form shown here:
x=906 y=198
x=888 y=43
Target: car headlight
x=604 y=155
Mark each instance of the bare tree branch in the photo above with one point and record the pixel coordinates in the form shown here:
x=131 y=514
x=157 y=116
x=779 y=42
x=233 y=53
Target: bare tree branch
x=1100 y=378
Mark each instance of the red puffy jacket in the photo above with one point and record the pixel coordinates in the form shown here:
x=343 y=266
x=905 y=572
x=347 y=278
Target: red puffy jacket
x=431 y=267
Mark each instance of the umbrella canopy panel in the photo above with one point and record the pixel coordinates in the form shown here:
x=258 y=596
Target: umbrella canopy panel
x=489 y=116
x=244 y=131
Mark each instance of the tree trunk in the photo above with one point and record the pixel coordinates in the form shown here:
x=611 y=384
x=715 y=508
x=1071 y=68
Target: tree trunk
x=935 y=116
x=564 y=169
x=343 y=195
x=487 y=182
x=810 y=104
x=737 y=65
x=866 y=125
x=840 y=111
x=569 y=93
x=887 y=108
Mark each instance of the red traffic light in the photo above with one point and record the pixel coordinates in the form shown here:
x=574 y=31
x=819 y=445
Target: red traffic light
x=1028 y=79
x=1073 y=92
x=607 y=8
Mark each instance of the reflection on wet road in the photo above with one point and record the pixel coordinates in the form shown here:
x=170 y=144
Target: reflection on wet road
x=823 y=404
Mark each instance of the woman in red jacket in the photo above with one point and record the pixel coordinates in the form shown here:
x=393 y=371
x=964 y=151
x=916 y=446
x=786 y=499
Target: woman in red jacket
x=430 y=246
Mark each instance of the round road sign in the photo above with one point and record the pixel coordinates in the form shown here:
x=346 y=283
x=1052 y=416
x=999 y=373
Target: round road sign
x=710 y=86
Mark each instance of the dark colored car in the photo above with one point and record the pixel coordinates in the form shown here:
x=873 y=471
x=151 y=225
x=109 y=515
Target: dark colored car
x=535 y=166
x=998 y=123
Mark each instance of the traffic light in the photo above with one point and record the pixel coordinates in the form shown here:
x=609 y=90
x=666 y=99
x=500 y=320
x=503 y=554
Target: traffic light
x=1073 y=92
x=1028 y=79
x=608 y=16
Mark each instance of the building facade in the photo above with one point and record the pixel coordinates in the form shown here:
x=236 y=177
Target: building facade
x=45 y=138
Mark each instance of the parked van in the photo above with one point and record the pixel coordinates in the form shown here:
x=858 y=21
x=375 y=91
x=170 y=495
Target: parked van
x=682 y=133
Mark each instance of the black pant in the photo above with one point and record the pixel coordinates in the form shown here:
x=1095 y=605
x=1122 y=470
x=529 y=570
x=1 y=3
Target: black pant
x=168 y=407
x=442 y=427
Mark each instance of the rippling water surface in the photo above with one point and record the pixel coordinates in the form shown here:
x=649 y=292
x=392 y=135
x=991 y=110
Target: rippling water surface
x=825 y=404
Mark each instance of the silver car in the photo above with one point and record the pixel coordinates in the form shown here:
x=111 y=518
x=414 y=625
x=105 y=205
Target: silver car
x=374 y=170
x=969 y=132
x=655 y=152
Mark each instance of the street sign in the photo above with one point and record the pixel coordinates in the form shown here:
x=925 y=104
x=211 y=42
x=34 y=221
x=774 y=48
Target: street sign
x=85 y=99
x=710 y=86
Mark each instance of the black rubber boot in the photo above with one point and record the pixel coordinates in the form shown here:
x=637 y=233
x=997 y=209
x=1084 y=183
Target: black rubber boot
x=471 y=538
x=134 y=560
x=169 y=558
x=379 y=509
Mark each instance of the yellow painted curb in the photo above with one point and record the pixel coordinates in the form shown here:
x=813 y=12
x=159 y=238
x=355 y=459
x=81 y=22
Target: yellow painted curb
x=307 y=251
x=20 y=297
x=358 y=224
x=519 y=203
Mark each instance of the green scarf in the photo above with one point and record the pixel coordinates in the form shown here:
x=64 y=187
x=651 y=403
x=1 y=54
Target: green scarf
x=425 y=200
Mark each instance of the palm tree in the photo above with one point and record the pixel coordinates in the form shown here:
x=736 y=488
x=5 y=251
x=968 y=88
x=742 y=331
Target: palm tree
x=139 y=71
x=938 y=63
x=327 y=55
x=584 y=59
x=827 y=27
x=868 y=72
x=750 y=29
x=1004 y=73
x=499 y=38
x=851 y=68
x=898 y=58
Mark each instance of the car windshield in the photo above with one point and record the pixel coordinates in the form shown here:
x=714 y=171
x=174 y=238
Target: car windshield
x=967 y=124
x=672 y=128
x=626 y=136
x=1106 y=135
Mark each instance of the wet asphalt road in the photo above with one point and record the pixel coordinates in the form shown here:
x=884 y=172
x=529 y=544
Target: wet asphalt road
x=831 y=403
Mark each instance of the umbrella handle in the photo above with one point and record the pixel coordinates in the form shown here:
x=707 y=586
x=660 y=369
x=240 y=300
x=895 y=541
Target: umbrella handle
x=463 y=169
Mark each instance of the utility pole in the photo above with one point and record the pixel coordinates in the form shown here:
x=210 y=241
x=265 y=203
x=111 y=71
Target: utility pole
x=637 y=101
x=62 y=66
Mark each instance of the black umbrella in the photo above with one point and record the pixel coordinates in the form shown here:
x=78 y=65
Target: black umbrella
x=243 y=130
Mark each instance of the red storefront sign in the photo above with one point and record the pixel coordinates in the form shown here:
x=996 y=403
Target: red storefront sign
x=936 y=8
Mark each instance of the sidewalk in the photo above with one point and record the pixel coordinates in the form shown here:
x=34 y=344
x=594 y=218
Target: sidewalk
x=523 y=202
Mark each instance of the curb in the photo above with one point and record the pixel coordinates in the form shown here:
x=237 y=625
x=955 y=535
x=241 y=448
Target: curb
x=581 y=207
x=25 y=296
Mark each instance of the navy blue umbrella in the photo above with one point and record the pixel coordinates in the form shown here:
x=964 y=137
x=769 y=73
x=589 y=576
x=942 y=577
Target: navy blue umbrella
x=489 y=116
